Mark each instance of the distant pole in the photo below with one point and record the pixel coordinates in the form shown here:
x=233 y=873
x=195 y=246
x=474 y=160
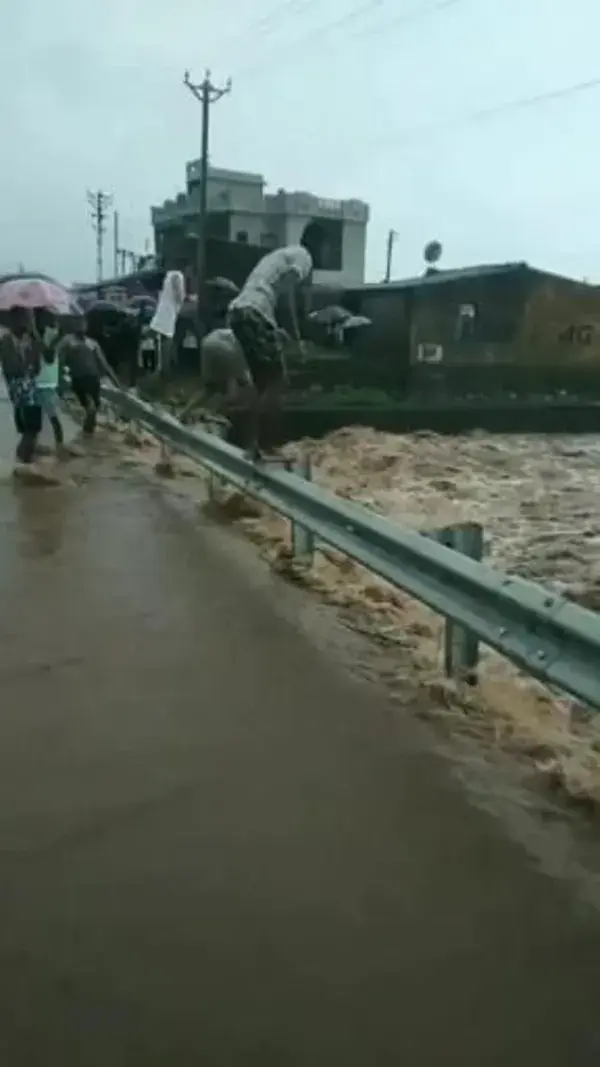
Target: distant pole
x=391 y=237
x=99 y=204
x=207 y=94
x=116 y=244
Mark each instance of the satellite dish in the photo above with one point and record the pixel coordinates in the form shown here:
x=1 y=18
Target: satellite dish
x=432 y=252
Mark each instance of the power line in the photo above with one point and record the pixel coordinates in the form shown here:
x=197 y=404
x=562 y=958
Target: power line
x=317 y=31
x=280 y=11
x=439 y=128
x=99 y=204
x=265 y=25
x=295 y=48
x=408 y=16
x=495 y=110
x=532 y=101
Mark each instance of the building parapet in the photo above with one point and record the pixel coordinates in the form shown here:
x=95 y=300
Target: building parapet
x=302 y=203
x=193 y=170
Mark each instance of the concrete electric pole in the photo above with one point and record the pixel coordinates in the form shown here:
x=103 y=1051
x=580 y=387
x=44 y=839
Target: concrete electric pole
x=99 y=203
x=207 y=94
x=392 y=235
x=116 y=244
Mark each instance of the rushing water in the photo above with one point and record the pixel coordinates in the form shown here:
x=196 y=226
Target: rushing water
x=538 y=497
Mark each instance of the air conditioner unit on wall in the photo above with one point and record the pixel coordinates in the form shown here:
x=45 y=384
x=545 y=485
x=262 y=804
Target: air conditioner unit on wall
x=429 y=353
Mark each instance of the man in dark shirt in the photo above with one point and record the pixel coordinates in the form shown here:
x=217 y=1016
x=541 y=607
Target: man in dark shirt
x=87 y=365
x=20 y=357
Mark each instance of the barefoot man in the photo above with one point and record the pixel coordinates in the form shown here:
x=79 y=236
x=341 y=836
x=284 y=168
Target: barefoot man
x=252 y=317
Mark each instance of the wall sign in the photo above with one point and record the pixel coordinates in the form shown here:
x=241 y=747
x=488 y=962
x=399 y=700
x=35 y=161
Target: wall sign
x=580 y=334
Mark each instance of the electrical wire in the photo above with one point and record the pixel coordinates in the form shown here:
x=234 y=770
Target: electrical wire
x=404 y=17
x=435 y=129
x=295 y=49
x=266 y=25
x=532 y=101
x=516 y=104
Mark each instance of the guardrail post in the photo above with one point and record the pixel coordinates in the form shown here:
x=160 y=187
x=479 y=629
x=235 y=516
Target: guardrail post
x=218 y=428
x=303 y=540
x=461 y=647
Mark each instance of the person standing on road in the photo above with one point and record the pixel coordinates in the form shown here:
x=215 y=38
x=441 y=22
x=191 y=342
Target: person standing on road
x=47 y=381
x=252 y=317
x=20 y=357
x=87 y=365
x=148 y=350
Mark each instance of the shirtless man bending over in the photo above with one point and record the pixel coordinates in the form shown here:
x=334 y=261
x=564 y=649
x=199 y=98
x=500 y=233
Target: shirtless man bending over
x=252 y=318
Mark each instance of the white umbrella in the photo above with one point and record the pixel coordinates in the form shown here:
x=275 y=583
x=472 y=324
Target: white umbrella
x=330 y=316
x=354 y=322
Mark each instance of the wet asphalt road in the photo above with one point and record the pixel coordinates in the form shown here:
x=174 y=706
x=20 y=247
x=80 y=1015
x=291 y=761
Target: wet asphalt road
x=219 y=849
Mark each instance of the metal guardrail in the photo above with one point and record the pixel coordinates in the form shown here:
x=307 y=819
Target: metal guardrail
x=544 y=634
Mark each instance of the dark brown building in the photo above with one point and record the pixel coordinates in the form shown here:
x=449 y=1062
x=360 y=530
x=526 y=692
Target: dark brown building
x=485 y=329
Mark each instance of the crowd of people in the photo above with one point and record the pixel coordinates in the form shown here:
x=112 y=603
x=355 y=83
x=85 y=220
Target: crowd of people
x=243 y=362
x=36 y=358
x=242 y=359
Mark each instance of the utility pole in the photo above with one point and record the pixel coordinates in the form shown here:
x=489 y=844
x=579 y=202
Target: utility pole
x=392 y=235
x=116 y=244
x=127 y=256
x=207 y=94
x=99 y=204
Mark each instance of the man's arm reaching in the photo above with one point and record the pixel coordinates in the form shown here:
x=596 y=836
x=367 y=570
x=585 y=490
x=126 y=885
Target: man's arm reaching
x=104 y=366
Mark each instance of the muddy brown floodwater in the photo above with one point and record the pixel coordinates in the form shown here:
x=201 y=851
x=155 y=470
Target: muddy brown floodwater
x=218 y=847
x=538 y=498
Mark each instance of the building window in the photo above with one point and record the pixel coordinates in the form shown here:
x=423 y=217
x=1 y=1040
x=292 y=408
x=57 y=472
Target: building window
x=242 y=237
x=429 y=353
x=465 y=322
x=323 y=238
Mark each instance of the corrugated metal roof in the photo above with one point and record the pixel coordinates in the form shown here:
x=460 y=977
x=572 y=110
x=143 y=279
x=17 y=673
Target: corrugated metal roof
x=441 y=276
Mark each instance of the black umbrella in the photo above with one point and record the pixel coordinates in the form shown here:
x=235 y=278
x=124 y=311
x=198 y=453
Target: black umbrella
x=105 y=317
x=143 y=302
x=224 y=284
x=105 y=309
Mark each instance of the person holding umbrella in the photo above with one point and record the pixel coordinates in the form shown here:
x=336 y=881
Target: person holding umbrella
x=20 y=357
x=21 y=296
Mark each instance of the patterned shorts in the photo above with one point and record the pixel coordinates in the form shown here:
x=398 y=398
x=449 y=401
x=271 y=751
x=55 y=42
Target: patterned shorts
x=49 y=402
x=260 y=342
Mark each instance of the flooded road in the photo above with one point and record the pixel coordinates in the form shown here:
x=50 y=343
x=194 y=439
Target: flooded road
x=218 y=848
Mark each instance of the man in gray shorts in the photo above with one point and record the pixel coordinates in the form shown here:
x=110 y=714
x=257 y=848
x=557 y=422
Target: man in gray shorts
x=228 y=387
x=224 y=373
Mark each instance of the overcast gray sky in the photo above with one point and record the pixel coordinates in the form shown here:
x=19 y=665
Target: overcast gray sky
x=326 y=96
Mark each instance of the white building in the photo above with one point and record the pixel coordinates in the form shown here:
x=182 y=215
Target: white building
x=335 y=231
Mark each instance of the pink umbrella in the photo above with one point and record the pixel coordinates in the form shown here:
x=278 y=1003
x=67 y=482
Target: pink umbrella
x=35 y=293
